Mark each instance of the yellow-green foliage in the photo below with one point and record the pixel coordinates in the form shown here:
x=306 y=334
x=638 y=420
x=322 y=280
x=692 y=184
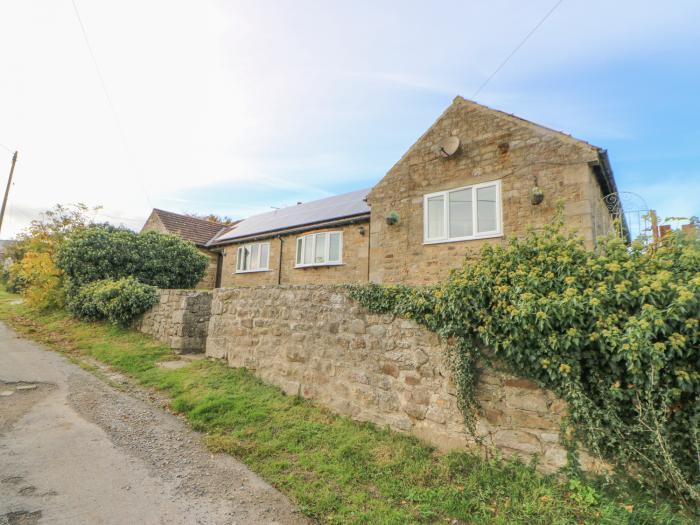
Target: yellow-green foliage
x=614 y=332
x=34 y=272
x=42 y=280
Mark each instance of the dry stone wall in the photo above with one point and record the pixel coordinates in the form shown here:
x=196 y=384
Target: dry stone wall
x=180 y=319
x=316 y=342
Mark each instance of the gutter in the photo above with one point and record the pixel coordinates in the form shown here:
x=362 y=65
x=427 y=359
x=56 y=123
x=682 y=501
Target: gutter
x=604 y=176
x=353 y=219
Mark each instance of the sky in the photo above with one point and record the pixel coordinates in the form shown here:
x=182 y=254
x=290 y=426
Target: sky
x=235 y=107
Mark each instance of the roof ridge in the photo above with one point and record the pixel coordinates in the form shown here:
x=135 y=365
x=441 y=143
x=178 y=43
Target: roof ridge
x=296 y=206
x=479 y=105
x=188 y=217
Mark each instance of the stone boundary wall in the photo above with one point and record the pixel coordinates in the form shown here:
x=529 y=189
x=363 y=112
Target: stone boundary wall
x=316 y=342
x=180 y=319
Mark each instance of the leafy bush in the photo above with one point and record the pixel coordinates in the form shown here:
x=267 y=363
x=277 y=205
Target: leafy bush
x=14 y=279
x=118 y=301
x=615 y=333
x=33 y=271
x=104 y=252
x=42 y=282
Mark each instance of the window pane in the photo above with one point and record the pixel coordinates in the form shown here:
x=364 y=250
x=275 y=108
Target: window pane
x=264 y=255
x=300 y=242
x=460 y=211
x=239 y=259
x=254 y=251
x=320 y=253
x=245 y=264
x=308 y=250
x=486 y=209
x=436 y=217
x=334 y=252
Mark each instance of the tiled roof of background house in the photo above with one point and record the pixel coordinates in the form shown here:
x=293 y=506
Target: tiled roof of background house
x=323 y=210
x=199 y=231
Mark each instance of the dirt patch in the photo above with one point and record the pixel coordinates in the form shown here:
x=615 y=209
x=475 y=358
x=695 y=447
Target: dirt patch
x=21 y=398
x=21 y=517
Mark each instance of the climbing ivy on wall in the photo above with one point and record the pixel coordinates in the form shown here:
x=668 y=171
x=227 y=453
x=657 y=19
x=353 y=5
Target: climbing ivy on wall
x=613 y=332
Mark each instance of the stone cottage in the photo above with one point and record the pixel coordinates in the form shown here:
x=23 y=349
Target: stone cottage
x=198 y=231
x=476 y=176
x=504 y=175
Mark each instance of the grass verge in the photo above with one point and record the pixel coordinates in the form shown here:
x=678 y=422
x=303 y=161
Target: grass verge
x=335 y=469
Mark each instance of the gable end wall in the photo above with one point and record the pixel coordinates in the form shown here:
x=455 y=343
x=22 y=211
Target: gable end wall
x=494 y=146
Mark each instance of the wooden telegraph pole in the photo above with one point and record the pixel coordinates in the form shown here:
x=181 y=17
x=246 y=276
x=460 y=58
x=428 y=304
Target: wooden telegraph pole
x=7 y=190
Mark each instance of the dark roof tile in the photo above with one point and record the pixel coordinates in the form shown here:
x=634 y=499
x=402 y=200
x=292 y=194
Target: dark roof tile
x=199 y=231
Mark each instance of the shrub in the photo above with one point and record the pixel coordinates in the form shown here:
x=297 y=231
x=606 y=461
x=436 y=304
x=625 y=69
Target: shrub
x=118 y=301
x=615 y=333
x=104 y=252
x=14 y=279
x=33 y=271
x=42 y=281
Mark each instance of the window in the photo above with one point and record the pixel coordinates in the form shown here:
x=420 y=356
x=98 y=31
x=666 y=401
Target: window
x=320 y=249
x=253 y=257
x=464 y=213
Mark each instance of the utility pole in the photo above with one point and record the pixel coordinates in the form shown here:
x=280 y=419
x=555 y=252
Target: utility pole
x=7 y=190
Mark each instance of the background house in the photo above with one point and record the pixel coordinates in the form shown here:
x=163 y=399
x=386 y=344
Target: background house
x=199 y=231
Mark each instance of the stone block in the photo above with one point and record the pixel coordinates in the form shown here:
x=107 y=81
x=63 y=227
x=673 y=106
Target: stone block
x=518 y=440
x=534 y=401
x=390 y=369
x=554 y=458
x=357 y=326
x=527 y=419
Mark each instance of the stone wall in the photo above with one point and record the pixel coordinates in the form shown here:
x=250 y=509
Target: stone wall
x=494 y=146
x=354 y=268
x=316 y=342
x=180 y=319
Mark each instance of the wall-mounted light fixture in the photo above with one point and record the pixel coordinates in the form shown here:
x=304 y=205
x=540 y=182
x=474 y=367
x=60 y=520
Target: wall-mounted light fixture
x=392 y=218
x=537 y=195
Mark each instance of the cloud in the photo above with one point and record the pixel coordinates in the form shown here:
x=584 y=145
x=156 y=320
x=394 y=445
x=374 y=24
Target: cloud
x=292 y=100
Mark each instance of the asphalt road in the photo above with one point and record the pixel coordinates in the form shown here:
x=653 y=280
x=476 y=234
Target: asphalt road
x=76 y=450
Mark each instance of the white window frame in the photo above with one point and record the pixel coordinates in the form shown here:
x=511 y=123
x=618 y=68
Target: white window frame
x=327 y=248
x=239 y=251
x=498 y=232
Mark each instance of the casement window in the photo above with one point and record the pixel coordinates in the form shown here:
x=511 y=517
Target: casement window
x=253 y=257
x=472 y=212
x=320 y=249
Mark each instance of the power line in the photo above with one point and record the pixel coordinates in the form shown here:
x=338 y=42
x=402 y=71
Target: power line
x=103 y=84
x=6 y=148
x=521 y=44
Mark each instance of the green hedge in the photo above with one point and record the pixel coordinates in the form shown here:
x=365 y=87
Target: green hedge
x=118 y=301
x=614 y=332
x=104 y=252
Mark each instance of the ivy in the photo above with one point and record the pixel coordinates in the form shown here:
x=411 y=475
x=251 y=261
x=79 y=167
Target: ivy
x=613 y=332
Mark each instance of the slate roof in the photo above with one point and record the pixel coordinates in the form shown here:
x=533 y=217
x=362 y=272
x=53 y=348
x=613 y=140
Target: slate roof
x=333 y=208
x=199 y=231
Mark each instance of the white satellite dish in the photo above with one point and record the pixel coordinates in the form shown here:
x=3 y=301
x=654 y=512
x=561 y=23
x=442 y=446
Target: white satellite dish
x=448 y=146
